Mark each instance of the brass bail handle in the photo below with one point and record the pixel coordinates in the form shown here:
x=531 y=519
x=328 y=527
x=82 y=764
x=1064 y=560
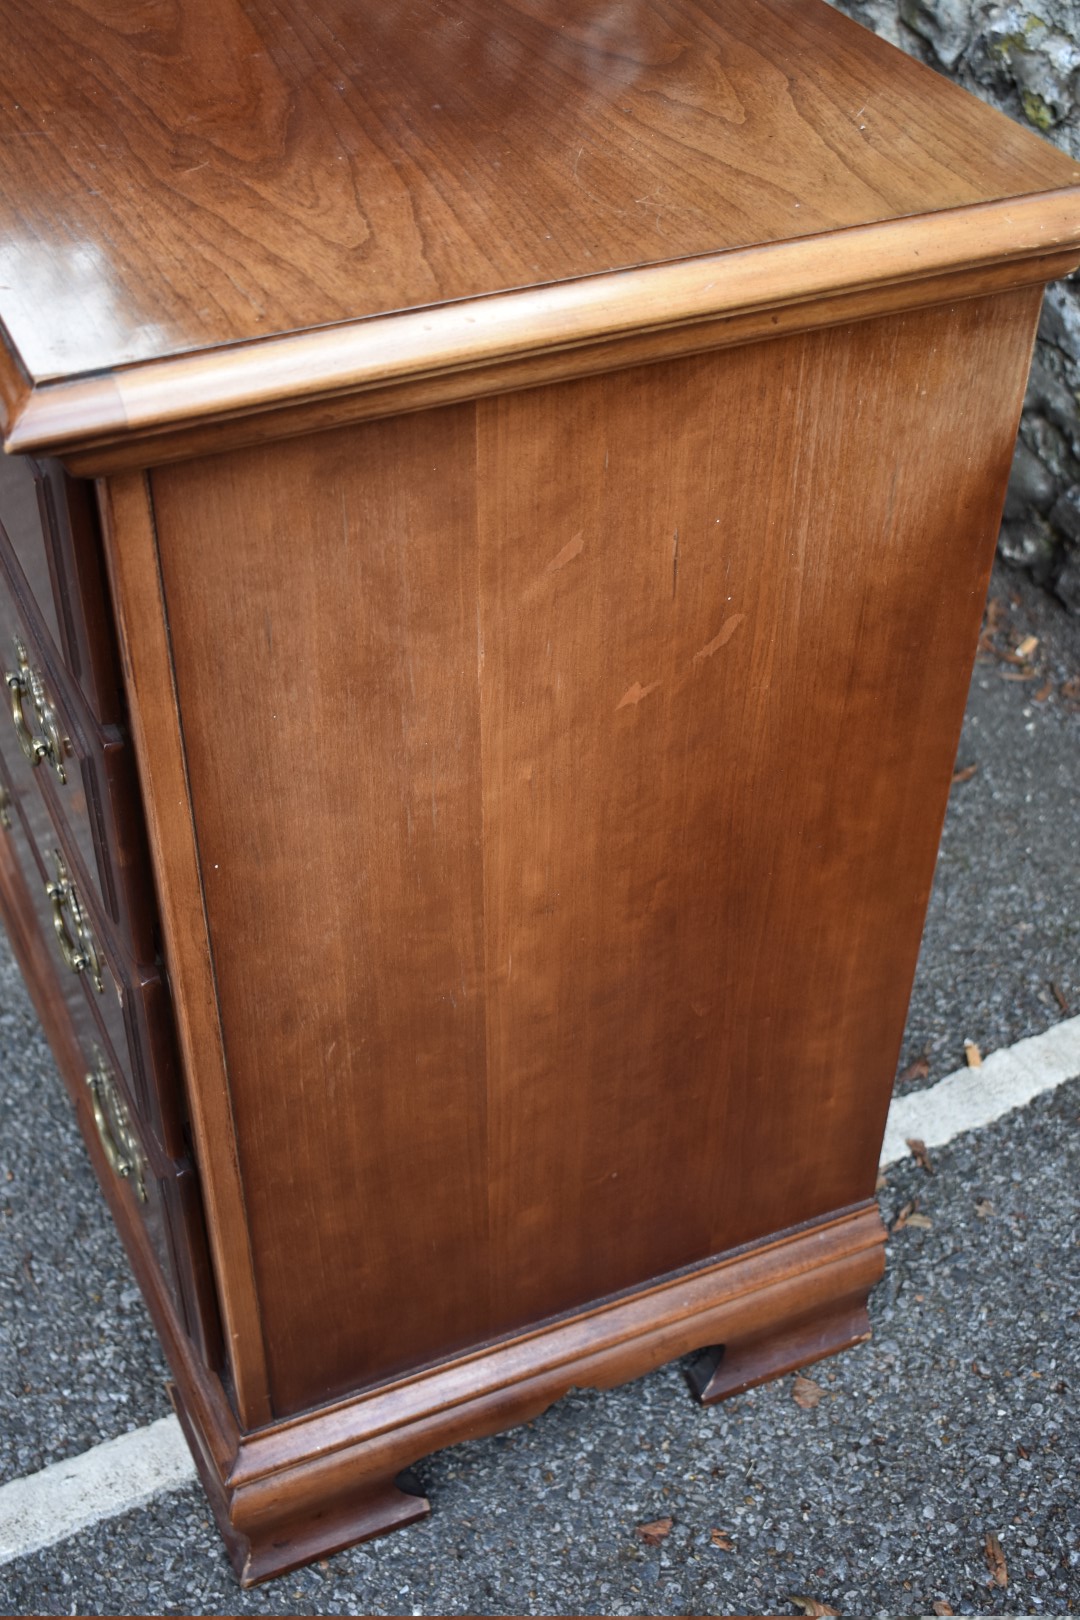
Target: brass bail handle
x=118 y=1140
x=78 y=949
x=27 y=683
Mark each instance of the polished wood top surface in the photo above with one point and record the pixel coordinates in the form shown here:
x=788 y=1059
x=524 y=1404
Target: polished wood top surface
x=177 y=176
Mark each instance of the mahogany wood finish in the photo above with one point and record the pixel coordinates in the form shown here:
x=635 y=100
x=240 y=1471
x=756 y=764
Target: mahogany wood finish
x=546 y=464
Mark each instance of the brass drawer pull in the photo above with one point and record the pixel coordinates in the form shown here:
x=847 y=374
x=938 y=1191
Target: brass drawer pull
x=117 y=1135
x=77 y=945
x=28 y=683
x=5 y=809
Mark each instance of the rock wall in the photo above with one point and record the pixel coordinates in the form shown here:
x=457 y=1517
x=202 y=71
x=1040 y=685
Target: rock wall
x=1024 y=57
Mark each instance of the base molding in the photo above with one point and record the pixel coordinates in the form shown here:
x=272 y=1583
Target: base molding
x=729 y=1369
x=306 y=1487
x=373 y=1509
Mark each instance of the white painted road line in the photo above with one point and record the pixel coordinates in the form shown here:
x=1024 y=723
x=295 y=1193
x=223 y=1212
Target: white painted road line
x=124 y=1473
x=969 y=1098
x=101 y=1484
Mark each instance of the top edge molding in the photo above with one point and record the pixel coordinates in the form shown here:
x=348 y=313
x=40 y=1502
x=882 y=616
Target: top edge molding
x=383 y=352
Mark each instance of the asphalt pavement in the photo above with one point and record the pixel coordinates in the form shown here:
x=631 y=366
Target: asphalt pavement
x=954 y=1433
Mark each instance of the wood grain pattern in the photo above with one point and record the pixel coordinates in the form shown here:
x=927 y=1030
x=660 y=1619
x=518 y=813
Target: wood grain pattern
x=175 y=179
x=593 y=759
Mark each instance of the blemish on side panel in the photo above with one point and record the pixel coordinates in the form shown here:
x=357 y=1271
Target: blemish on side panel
x=721 y=638
x=635 y=693
x=573 y=548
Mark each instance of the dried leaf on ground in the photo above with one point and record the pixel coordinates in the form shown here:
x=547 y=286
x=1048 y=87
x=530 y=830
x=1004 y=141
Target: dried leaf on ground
x=806 y=1393
x=1027 y=647
x=653 y=1533
x=964 y=775
x=1059 y=997
x=1024 y=674
x=1043 y=693
x=811 y=1606
x=909 y=1216
x=983 y=1208
x=721 y=1539
x=919 y=1070
x=919 y=1154
x=973 y=1055
x=941 y=1607
x=1002 y=654
x=995 y=1560
x=1070 y=689
x=980 y=1372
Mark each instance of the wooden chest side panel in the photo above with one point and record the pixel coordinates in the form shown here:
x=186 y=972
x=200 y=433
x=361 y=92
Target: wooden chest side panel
x=729 y=620
x=323 y=610
x=567 y=771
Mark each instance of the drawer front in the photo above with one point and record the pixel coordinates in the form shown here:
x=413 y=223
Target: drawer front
x=167 y=1187
x=49 y=535
x=104 y=1110
x=131 y=1002
x=136 y=1013
x=85 y=773
x=67 y=783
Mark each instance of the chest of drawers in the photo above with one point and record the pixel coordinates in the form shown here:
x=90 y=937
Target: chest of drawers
x=498 y=506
